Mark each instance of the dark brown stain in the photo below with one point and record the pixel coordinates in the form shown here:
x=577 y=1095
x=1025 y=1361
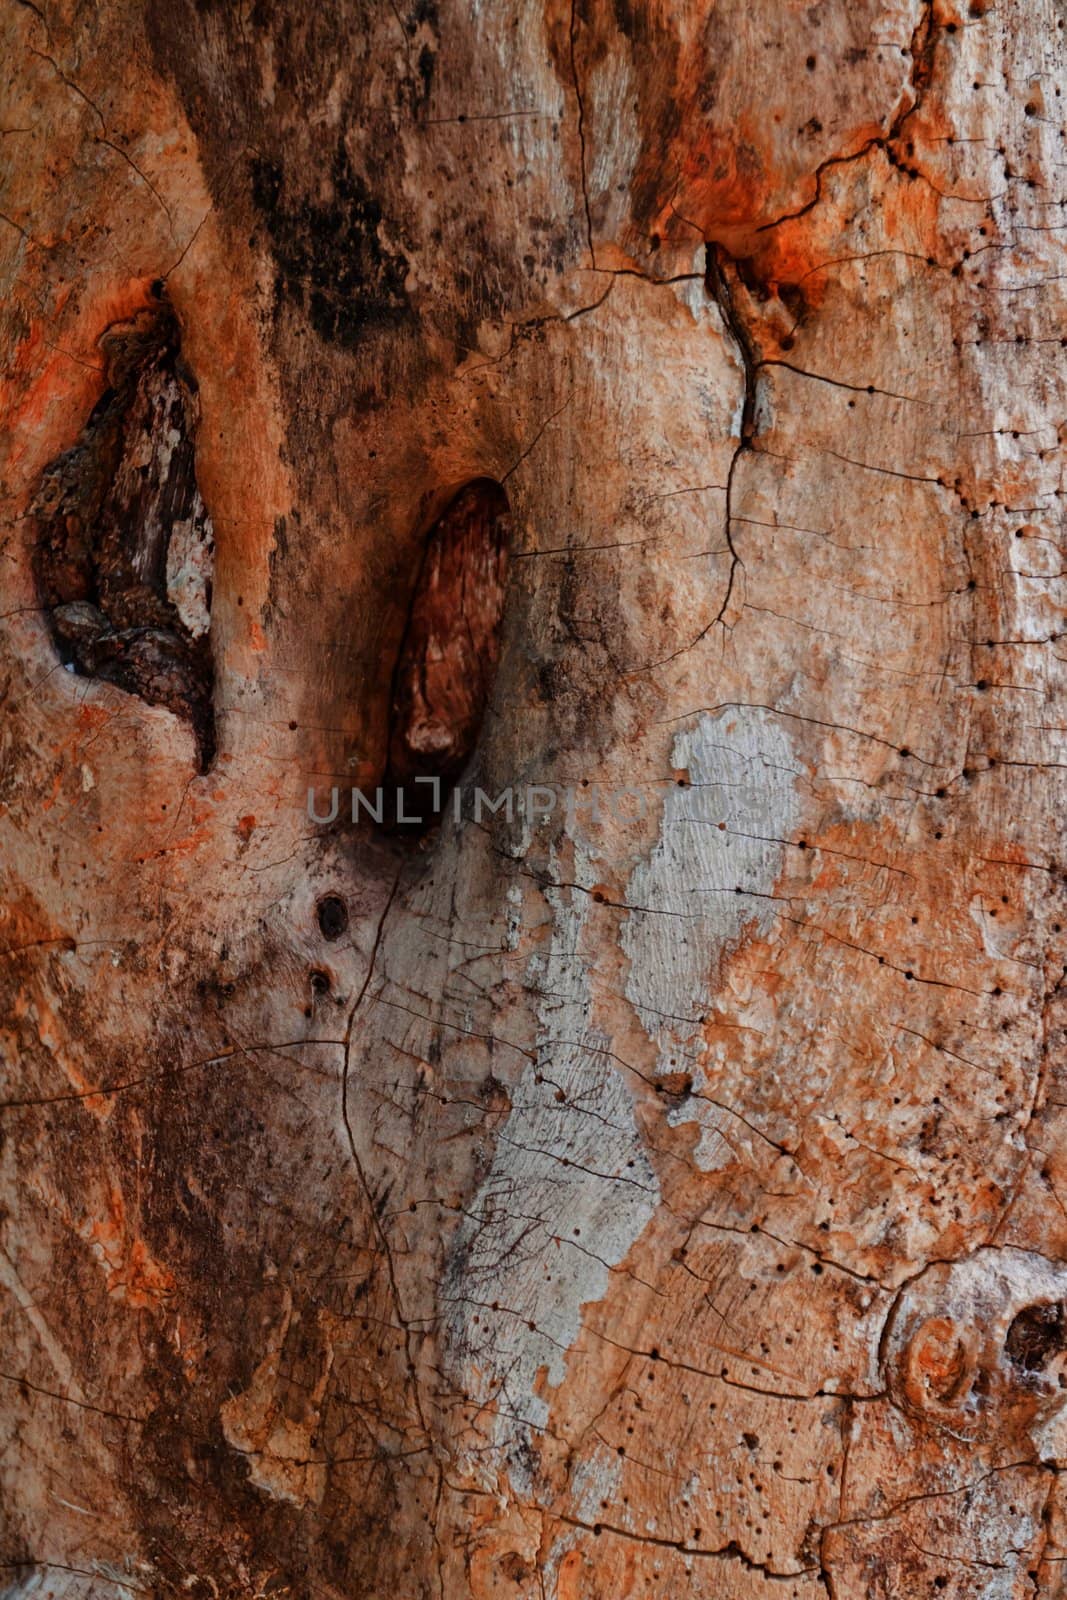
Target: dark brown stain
x=1036 y=1335
x=329 y=255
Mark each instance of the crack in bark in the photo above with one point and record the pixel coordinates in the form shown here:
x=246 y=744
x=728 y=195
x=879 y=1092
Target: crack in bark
x=581 y=130
x=103 y=136
x=375 y=1216
x=731 y=1551
x=69 y=1400
x=721 y=291
x=922 y=46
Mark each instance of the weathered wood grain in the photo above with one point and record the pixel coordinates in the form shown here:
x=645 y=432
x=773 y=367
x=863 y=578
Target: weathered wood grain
x=660 y=1196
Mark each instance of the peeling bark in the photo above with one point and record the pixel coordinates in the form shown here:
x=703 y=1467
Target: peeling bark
x=123 y=550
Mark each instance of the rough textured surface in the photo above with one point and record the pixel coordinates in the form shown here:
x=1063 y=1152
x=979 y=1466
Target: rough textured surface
x=124 y=546
x=637 y=1200
x=448 y=657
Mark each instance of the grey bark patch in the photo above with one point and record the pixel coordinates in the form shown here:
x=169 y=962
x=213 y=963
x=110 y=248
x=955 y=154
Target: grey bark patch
x=569 y=1191
x=718 y=857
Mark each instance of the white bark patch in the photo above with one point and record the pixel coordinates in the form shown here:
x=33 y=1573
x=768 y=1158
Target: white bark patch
x=709 y=878
x=569 y=1191
x=718 y=856
x=190 y=567
x=50 y=1582
x=595 y=1484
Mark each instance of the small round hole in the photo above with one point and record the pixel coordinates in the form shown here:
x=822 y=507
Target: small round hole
x=333 y=916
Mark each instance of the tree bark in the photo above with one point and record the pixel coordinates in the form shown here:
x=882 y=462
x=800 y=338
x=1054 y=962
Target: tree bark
x=655 y=1185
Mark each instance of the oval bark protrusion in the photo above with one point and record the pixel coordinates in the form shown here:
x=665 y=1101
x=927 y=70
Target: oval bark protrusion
x=451 y=646
x=125 y=547
x=978 y=1345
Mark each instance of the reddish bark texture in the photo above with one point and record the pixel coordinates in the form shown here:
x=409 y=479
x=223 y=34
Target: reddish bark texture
x=451 y=646
x=647 y=1199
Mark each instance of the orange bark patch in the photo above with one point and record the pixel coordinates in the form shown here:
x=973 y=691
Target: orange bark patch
x=571 y=1575
x=24 y=923
x=133 y=1274
x=60 y=387
x=724 y=182
x=910 y=215
x=180 y=847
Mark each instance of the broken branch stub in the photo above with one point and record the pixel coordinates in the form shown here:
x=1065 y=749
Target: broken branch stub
x=978 y=1347
x=450 y=649
x=125 y=547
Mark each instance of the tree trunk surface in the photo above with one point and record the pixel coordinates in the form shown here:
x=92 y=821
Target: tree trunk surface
x=648 y=415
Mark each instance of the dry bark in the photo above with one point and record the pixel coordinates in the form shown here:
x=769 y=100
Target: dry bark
x=665 y=1195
